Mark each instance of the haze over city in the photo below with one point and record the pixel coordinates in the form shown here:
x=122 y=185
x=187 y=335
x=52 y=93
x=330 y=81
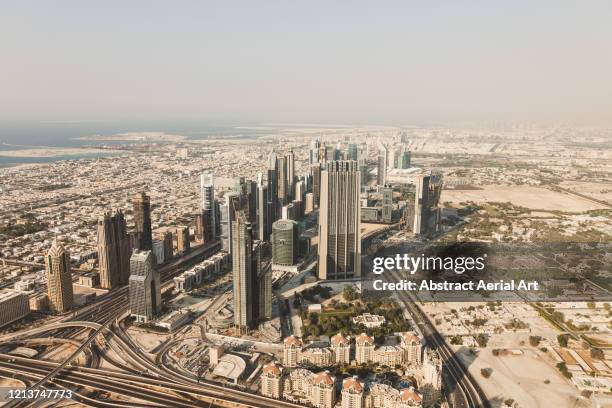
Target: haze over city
x=347 y=62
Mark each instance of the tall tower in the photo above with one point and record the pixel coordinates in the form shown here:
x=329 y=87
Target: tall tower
x=284 y=242
x=59 y=279
x=421 y=205
x=243 y=274
x=291 y=174
x=263 y=216
x=282 y=181
x=313 y=154
x=352 y=152
x=315 y=169
x=383 y=159
x=113 y=250
x=263 y=286
x=145 y=288
x=339 y=217
x=207 y=190
x=273 y=187
x=142 y=219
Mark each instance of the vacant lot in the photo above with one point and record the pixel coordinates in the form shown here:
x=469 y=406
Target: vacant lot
x=525 y=196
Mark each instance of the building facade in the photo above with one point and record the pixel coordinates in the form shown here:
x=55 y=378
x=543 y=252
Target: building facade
x=59 y=279
x=145 y=286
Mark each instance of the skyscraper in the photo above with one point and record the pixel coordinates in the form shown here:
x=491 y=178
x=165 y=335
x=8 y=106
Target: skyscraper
x=113 y=250
x=274 y=208
x=263 y=267
x=427 y=197
x=244 y=275
x=207 y=190
x=313 y=153
x=282 y=181
x=59 y=278
x=145 y=288
x=383 y=159
x=387 y=204
x=182 y=239
x=315 y=169
x=142 y=219
x=352 y=152
x=405 y=160
x=284 y=242
x=339 y=217
x=290 y=175
x=227 y=213
x=263 y=215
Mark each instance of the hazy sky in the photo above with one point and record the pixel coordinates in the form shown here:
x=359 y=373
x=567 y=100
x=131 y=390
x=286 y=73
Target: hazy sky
x=377 y=62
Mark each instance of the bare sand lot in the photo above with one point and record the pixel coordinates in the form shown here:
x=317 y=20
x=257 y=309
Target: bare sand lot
x=599 y=190
x=525 y=196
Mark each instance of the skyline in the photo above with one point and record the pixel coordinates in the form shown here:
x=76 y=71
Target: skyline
x=240 y=63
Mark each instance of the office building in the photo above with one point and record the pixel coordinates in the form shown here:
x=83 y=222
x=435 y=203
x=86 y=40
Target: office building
x=313 y=153
x=263 y=215
x=145 y=287
x=182 y=240
x=387 y=204
x=283 y=192
x=207 y=190
x=383 y=160
x=142 y=220
x=263 y=283
x=316 y=184
x=352 y=152
x=168 y=246
x=405 y=160
x=284 y=242
x=339 y=220
x=274 y=209
x=158 y=251
x=59 y=279
x=309 y=205
x=244 y=275
x=14 y=305
x=113 y=250
x=291 y=175
x=227 y=213
x=427 y=197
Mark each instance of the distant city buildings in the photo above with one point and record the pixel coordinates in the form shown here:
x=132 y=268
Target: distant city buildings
x=145 y=287
x=339 y=220
x=383 y=160
x=59 y=279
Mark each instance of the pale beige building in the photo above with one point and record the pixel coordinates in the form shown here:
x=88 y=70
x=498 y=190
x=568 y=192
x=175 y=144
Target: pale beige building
x=317 y=356
x=341 y=348
x=323 y=392
x=413 y=345
x=352 y=393
x=364 y=348
x=272 y=380
x=13 y=306
x=291 y=351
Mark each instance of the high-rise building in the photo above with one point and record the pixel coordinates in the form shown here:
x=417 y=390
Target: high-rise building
x=427 y=197
x=300 y=191
x=284 y=242
x=352 y=152
x=13 y=306
x=263 y=283
x=263 y=215
x=313 y=154
x=316 y=184
x=352 y=392
x=207 y=190
x=145 y=288
x=227 y=212
x=244 y=275
x=282 y=181
x=322 y=155
x=291 y=175
x=363 y=170
x=142 y=219
x=274 y=208
x=387 y=204
x=339 y=218
x=405 y=160
x=113 y=250
x=383 y=159
x=272 y=380
x=309 y=205
x=168 y=246
x=432 y=369
x=59 y=278
x=182 y=239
